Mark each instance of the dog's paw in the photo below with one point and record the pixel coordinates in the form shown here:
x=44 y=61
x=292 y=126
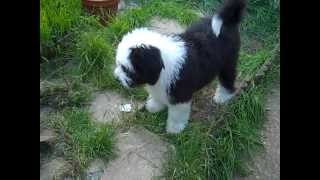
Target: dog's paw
x=222 y=95
x=175 y=128
x=153 y=106
x=222 y=99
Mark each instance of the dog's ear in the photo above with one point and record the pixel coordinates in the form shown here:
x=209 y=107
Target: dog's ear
x=147 y=62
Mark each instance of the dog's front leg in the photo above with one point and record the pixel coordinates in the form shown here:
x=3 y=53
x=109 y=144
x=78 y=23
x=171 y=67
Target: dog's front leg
x=153 y=105
x=178 y=116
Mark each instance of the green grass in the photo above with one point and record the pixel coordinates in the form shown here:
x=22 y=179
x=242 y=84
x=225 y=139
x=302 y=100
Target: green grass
x=243 y=120
x=94 y=53
x=189 y=160
x=63 y=94
x=80 y=140
x=57 y=18
x=139 y=17
x=250 y=63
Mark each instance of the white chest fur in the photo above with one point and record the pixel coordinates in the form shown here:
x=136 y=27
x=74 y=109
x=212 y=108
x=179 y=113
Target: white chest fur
x=158 y=92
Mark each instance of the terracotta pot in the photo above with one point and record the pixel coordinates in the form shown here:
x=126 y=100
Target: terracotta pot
x=101 y=8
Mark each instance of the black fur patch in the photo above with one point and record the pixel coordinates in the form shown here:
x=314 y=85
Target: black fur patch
x=147 y=62
x=232 y=11
x=207 y=57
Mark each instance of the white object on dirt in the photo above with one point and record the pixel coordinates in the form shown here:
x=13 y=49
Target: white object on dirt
x=126 y=108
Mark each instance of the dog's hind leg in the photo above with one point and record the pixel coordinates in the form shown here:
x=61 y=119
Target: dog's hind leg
x=226 y=89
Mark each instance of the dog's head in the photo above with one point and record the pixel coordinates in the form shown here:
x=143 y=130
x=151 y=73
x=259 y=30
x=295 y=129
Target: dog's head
x=138 y=65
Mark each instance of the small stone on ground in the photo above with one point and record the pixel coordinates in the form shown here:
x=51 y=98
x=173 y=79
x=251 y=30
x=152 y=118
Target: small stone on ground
x=106 y=107
x=46 y=135
x=140 y=157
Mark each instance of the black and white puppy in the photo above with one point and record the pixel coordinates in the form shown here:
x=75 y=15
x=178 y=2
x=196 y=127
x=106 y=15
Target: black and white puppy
x=174 y=67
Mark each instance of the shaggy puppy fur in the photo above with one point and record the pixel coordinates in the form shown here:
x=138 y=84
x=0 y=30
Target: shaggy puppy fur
x=174 y=67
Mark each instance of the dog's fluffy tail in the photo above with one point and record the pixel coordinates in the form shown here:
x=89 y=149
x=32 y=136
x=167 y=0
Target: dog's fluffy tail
x=229 y=15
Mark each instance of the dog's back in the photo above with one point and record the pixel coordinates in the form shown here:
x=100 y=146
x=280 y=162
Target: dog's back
x=213 y=44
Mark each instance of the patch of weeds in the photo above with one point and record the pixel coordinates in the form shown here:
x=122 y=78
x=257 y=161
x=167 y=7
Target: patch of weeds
x=217 y=154
x=138 y=17
x=94 y=53
x=88 y=22
x=273 y=73
x=153 y=122
x=124 y=23
x=241 y=133
x=57 y=17
x=80 y=139
x=62 y=94
x=66 y=62
x=205 y=6
x=49 y=69
x=190 y=159
x=172 y=10
x=250 y=63
x=262 y=20
x=45 y=29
